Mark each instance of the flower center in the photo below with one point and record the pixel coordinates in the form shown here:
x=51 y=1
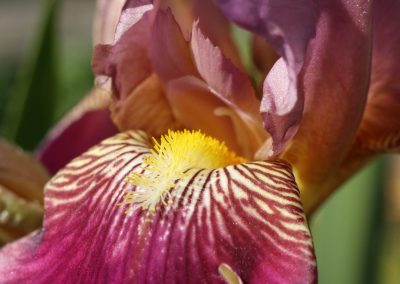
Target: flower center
x=169 y=161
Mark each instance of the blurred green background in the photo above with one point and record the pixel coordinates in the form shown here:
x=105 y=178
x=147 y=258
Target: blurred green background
x=45 y=52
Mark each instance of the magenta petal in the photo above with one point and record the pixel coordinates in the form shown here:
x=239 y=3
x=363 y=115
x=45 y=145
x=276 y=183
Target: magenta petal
x=86 y=125
x=247 y=218
x=170 y=53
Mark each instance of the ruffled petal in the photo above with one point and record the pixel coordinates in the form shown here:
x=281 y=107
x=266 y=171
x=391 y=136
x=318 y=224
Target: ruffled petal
x=243 y=221
x=211 y=22
x=132 y=12
x=126 y=62
x=223 y=78
x=380 y=127
x=84 y=126
x=22 y=180
x=287 y=26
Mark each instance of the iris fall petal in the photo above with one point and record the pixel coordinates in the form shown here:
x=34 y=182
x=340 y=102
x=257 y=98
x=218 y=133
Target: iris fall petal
x=246 y=219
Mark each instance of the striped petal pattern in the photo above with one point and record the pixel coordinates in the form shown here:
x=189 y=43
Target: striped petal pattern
x=245 y=221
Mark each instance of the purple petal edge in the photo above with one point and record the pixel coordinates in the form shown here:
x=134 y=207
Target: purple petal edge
x=288 y=26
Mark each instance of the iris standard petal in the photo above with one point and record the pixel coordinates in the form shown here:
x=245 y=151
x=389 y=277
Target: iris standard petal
x=223 y=78
x=169 y=51
x=336 y=79
x=380 y=127
x=126 y=62
x=197 y=107
x=288 y=26
x=145 y=108
x=244 y=220
x=85 y=125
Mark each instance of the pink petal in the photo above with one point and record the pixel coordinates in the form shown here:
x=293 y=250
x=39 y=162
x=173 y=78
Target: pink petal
x=222 y=77
x=86 y=125
x=247 y=218
x=170 y=53
x=145 y=108
x=132 y=12
x=127 y=62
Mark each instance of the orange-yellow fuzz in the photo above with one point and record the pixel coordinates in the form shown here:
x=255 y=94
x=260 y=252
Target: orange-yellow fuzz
x=170 y=161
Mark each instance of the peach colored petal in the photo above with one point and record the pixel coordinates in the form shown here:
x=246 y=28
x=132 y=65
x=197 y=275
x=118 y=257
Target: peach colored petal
x=222 y=77
x=145 y=108
x=22 y=180
x=336 y=79
x=197 y=108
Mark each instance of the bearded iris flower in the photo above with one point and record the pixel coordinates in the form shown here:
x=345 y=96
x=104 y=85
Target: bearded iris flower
x=212 y=198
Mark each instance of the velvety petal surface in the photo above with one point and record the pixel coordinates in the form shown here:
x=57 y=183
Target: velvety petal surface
x=380 y=127
x=336 y=78
x=245 y=219
x=145 y=108
x=288 y=27
x=22 y=179
x=85 y=125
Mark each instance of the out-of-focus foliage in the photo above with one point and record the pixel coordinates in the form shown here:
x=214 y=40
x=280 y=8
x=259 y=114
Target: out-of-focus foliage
x=346 y=229
x=54 y=74
x=30 y=107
